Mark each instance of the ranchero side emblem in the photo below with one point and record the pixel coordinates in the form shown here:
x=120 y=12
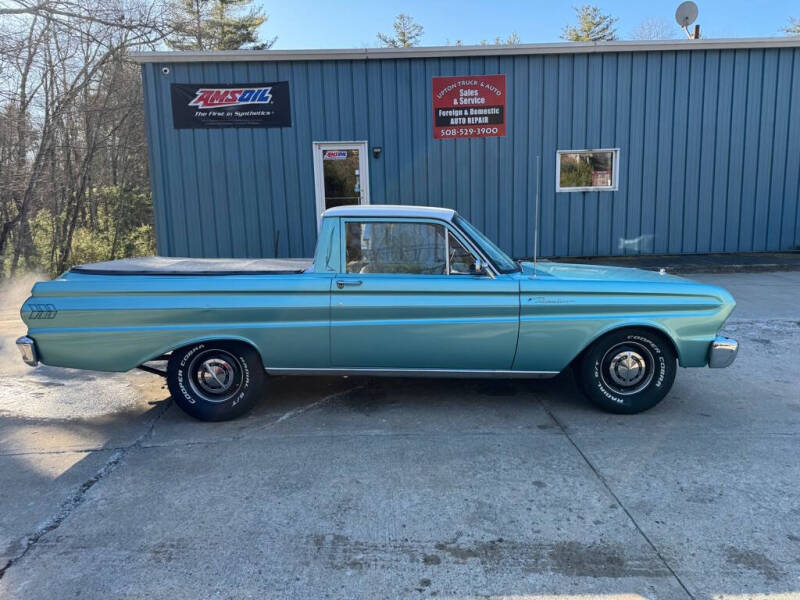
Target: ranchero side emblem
x=42 y=311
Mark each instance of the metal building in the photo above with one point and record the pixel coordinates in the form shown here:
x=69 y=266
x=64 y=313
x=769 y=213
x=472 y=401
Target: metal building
x=694 y=146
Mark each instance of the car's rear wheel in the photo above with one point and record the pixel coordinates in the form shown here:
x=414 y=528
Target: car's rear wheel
x=628 y=371
x=215 y=381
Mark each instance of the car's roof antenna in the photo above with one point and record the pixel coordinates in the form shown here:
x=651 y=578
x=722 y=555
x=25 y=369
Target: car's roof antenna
x=536 y=216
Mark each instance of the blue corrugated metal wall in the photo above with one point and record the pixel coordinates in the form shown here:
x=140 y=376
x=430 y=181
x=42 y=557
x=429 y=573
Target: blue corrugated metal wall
x=709 y=152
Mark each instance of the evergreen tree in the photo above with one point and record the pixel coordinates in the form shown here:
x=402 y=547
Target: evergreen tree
x=511 y=40
x=407 y=33
x=592 y=26
x=217 y=25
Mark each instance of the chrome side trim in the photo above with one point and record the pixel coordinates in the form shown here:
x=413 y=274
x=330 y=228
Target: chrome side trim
x=722 y=352
x=377 y=372
x=27 y=348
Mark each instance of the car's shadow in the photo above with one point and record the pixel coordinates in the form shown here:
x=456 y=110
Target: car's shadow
x=373 y=395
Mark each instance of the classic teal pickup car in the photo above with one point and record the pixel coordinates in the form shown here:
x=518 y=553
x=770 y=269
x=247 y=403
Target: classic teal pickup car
x=391 y=290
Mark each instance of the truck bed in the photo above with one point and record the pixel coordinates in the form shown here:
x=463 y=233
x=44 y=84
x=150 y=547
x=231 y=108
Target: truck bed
x=164 y=265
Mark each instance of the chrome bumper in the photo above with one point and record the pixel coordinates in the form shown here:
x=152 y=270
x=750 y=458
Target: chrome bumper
x=27 y=348
x=723 y=352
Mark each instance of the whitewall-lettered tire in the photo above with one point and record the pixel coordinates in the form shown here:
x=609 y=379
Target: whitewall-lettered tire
x=216 y=380
x=628 y=371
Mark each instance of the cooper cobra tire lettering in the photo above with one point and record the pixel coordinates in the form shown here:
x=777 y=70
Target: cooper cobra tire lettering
x=181 y=376
x=185 y=393
x=662 y=368
x=191 y=353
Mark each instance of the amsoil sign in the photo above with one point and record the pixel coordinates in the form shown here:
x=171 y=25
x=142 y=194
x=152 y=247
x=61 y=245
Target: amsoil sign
x=469 y=106
x=245 y=105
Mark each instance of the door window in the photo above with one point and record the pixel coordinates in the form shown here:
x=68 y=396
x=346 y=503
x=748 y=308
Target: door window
x=341 y=177
x=461 y=260
x=381 y=247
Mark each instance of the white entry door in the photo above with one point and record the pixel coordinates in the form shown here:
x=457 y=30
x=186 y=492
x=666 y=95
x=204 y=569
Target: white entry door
x=341 y=174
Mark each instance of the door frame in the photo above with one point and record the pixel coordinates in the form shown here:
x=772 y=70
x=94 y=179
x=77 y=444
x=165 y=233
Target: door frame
x=319 y=178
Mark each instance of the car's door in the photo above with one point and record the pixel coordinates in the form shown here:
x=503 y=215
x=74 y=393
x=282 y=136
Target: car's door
x=409 y=298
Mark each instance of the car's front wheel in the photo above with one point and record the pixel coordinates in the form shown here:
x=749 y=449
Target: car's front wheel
x=628 y=371
x=215 y=381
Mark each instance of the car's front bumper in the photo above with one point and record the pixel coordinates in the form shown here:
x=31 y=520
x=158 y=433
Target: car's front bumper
x=27 y=347
x=722 y=352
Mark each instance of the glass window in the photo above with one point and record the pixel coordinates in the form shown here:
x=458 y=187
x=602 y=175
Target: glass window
x=381 y=247
x=461 y=260
x=586 y=170
x=341 y=176
x=500 y=259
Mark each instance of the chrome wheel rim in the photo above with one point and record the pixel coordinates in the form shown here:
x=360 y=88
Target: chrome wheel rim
x=214 y=375
x=627 y=368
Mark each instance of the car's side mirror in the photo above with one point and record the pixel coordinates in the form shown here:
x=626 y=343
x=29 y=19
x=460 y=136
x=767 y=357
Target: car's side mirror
x=481 y=268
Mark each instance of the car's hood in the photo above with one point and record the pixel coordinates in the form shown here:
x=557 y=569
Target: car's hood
x=596 y=272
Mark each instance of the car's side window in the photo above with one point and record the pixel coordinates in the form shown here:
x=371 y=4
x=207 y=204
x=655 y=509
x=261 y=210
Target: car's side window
x=461 y=260
x=395 y=247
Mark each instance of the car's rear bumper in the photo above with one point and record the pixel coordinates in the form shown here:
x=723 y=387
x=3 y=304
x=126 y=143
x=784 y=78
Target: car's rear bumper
x=27 y=347
x=722 y=352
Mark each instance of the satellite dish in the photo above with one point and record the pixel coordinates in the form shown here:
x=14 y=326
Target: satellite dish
x=686 y=14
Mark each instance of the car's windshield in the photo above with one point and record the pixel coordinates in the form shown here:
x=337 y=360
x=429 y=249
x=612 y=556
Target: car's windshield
x=500 y=259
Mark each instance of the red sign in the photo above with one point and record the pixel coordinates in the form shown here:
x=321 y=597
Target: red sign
x=601 y=178
x=469 y=106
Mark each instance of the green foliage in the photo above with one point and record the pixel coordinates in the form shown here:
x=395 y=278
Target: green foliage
x=793 y=28
x=592 y=26
x=576 y=174
x=217 y=25
x=511 y=40
x=407 y=33
x=118 y=226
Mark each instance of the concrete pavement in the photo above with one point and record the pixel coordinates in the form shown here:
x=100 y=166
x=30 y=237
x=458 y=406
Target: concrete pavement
x=373 y=488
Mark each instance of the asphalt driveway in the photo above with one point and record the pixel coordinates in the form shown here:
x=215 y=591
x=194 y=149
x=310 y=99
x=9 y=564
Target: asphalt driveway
x=376 y=488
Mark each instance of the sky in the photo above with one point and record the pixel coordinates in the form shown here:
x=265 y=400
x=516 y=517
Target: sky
x=354 y=23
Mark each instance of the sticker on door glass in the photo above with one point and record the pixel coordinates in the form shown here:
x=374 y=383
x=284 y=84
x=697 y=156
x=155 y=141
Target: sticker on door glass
x=334 y=155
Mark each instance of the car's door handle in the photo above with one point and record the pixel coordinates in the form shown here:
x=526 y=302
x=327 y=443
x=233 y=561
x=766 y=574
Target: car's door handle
x=340 y=283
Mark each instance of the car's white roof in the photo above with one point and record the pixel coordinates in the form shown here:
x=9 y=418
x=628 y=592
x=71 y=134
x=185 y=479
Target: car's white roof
x=391 y=210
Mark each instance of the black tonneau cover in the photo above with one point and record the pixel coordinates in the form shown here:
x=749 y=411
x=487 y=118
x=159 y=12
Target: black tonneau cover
x=163 y=265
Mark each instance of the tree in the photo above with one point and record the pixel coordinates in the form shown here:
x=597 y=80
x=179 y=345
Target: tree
x=217 y=25
x=654 y=29
x=511 y=40
x=592 y=26
x=793 y=28
x=118 y=15
x=72 y=154
x=407 y=33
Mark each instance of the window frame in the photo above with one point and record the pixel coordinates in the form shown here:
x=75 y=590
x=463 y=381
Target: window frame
x=448 y=233
x=448 y=228
x=591 y=188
